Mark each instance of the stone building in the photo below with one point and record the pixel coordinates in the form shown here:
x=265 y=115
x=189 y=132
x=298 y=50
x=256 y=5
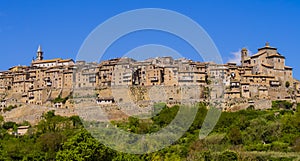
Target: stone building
x=263 y=75
x=84 y=75
x=37 y=83
x=267 y=61
x=154 y=75
x=124 y=73
x=106 y=69
x=260 y=75
x=141 y=72
x=40 y=62
x=171 y=75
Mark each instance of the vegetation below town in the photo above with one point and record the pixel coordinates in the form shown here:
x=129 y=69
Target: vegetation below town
x=9 y=108
x=244 y=135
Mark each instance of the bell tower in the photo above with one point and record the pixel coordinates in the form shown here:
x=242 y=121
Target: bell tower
x=39 y=53
x=244 y=56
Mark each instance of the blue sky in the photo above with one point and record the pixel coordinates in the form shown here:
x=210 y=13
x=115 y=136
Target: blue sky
x=62 y=26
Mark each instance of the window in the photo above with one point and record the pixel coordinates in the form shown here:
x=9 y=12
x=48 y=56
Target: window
x=278 y=60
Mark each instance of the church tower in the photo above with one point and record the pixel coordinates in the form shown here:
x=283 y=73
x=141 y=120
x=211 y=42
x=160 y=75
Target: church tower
x=39 y=53
x=244 y=56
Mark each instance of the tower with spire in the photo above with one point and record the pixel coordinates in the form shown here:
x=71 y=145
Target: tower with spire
x=39 y=53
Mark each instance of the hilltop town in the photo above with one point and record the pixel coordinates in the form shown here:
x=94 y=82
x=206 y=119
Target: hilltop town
x=259 y=79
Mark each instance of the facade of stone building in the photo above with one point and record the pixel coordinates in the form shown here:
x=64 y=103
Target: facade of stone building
x=106 y=69
x=263 y=75
x=84 y=75
x=123 y=73
x=259 y=74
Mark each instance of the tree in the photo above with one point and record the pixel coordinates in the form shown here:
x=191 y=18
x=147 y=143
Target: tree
x=1 y=120
x=50 y=143
x=49 y=114
x=3 y=155
x=53 y=123
x=235 y=136
x=281 y=105
x=84 y=147
x=126 y=157
x=8 y=125
x=76 y=121
x=133 y=121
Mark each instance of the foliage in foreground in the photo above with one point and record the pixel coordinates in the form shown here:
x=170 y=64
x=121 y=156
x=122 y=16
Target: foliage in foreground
x=244 y=135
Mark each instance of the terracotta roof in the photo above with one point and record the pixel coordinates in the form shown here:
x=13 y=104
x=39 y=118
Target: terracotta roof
x=23 y=127
x=52 y=61
x=276 y=55
x=258 y=54
x=267 y=65
x=267 y=46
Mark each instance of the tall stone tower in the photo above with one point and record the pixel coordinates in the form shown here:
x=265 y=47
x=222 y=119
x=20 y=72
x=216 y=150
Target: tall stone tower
x=39 y=53
x=244 y=56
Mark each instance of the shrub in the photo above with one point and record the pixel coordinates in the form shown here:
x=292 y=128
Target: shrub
x=9 y=108
x=206 y=155
x=59 y=99
x=8 y=125
x=296 y=144
x=228 y=156
x=279 y=146
x=235 y=136
x=259 y=147
x=281 y=105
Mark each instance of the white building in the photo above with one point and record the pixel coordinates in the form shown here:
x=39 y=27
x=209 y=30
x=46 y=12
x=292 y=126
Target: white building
x=40 y=62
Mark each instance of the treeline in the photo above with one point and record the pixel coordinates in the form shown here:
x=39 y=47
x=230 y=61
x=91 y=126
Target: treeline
x=244 y=135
